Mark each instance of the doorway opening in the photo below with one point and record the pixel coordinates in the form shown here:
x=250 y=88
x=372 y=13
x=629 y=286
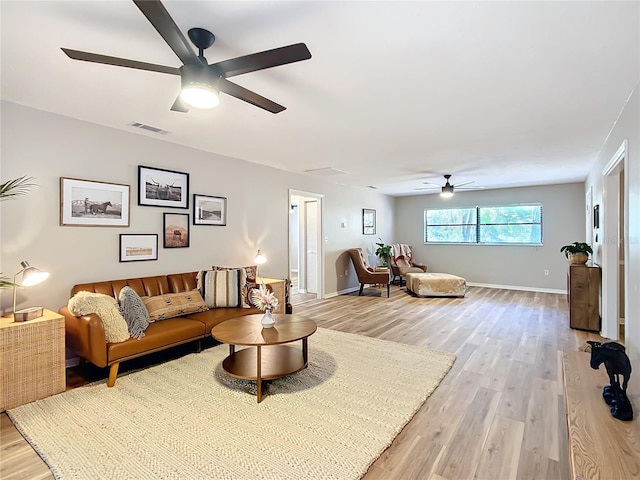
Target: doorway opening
x=305 y=246
x=614 y=248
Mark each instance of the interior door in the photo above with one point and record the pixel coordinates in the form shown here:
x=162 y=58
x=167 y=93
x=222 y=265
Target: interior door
x=311 y=260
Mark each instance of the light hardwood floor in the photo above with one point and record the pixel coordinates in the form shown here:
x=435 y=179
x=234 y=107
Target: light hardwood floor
x=498 y=414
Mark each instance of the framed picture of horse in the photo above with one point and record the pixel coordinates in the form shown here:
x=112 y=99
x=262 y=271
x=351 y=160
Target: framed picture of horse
x=158 y=187
x=176 y=230
x=88 y=203
x=209 y=210
x=138 y=247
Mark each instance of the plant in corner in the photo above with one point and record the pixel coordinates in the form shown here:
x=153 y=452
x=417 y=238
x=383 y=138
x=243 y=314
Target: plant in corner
x=577 y=252
x=383 y=252
x=11 y=189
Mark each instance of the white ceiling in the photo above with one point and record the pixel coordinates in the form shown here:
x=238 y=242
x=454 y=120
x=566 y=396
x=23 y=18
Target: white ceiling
x=396 y=93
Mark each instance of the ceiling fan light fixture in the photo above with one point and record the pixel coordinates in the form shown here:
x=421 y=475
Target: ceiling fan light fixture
x=200 y=96
x=199 y=87
x=447 y=191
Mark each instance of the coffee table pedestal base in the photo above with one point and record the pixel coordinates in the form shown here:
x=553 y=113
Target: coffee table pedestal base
x=265 y=363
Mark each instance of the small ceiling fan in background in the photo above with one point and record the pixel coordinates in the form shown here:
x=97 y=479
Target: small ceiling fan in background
x=447 y=189
x=201 y=82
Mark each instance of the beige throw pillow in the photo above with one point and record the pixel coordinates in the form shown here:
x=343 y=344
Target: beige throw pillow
x=172 y=305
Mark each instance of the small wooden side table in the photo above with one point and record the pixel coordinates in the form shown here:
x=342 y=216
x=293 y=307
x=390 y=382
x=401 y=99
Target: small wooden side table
x=32 y=359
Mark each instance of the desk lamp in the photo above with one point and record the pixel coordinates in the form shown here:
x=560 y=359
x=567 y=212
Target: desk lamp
x=30 y=276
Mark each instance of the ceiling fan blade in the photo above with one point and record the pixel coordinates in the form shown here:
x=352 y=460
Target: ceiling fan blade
x=119 y=62
x=463 y=183
x=179 y=105
x=248 y=96
x=168 y=30
x=468 y=188
x=434 y=185
x=261 y=60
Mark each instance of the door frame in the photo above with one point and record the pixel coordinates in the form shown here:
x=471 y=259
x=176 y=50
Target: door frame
x=611 y=240
x=319 y=232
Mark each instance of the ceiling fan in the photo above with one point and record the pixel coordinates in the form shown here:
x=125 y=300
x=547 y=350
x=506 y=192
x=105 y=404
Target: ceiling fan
x=447 y=189
x=201 y=82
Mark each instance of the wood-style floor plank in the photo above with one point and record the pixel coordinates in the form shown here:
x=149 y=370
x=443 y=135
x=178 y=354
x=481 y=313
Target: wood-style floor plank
x=498 y=414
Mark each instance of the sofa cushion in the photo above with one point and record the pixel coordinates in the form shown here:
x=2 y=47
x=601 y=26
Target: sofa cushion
x=159 y=335
x=223 y=288
x=171 y=305
x=134 y=312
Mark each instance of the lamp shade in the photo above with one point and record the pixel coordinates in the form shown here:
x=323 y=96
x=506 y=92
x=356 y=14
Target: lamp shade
x=259 y=259
x=33 y=276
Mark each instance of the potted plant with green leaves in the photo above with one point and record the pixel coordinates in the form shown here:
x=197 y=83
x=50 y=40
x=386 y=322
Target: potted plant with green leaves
x=577 y=252
x=8 y=190
x=383 y=252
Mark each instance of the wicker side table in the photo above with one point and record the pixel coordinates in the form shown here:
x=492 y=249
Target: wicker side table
x=32 y=359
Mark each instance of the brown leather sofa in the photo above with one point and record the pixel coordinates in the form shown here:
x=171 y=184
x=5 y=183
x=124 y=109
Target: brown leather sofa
x=85 y=335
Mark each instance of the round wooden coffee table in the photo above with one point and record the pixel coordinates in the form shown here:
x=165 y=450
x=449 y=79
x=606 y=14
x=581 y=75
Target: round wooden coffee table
x=270 y=359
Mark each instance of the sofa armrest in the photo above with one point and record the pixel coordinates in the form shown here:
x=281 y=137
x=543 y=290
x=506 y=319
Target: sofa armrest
x=85 y=336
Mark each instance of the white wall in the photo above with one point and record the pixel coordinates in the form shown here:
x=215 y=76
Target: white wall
x=627 y=127
x=514 y=266
x=49 y=146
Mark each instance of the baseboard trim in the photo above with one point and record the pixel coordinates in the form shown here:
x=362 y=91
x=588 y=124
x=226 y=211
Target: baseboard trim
x=517 y=287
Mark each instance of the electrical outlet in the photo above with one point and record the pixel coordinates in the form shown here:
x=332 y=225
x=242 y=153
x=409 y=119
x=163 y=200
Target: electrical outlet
x=546 y=272
x=346 y=273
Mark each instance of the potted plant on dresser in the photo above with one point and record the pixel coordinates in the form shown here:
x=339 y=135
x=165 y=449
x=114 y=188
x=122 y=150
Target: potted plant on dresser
x=577 y=252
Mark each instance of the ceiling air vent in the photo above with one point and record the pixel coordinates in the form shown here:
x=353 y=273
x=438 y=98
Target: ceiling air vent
x=325 y=172
x=149 y=128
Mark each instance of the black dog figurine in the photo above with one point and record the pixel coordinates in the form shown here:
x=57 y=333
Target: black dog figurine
x=617 y=363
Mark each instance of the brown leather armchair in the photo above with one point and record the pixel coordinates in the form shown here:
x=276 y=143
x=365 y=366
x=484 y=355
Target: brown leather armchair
x=401 y=262
x=366 y=276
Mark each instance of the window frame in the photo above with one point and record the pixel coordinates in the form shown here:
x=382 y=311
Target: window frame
x=478 y=225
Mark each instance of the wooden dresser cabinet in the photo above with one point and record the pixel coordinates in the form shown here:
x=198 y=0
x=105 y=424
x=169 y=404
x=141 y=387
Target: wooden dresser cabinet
x=583 y=295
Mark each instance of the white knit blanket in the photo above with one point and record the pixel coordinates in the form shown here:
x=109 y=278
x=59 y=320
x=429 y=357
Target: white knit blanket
x=106 y=307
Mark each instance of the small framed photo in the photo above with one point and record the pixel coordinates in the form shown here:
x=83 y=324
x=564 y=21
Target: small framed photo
x=162 y=188
x=209 y=210
x=176 y=230
x=137 y=247
x=368 y=221
x=87 y=203
x=596 y=216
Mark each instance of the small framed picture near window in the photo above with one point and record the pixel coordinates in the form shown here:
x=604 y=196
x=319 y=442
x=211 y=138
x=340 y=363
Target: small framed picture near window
x=87 y=203
x=368 y=221
x=138 y=247
x=596 y=216
x=209 y=210
x=162 y=188
x=176 y=230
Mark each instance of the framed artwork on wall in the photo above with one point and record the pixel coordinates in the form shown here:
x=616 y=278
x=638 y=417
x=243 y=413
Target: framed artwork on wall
x=596 y=216
x=176 y=230
x=88 y=203
x=368 y=221
x=158 y=187
x=138 y=247
x=209 y=210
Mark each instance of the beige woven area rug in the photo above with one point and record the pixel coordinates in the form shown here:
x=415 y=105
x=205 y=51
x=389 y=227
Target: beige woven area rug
x=186 y=419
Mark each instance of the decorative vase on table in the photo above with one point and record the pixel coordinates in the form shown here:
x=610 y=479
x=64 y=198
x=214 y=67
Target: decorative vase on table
x=267 y=319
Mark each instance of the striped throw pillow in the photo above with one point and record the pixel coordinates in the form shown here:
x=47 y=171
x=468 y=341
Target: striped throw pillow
x=223 y=288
